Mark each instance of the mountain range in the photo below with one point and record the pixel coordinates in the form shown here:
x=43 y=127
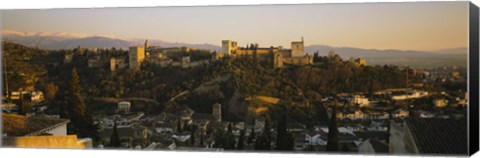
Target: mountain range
x=422 y=59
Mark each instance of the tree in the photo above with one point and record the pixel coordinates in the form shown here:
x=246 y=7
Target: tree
x=201 y=139
x=115 y=138
x=281 y=143
x=230 y=128
x=229 y=139
x=241 y=140
x=268 y=123
x=264 y=140
x=333 y=136
x=179 y=126
x=78 y=103
x=290 y=145
x=80 y=116
x=251 y=137
x=322 y=115
x=192 y=135
x=224 y=139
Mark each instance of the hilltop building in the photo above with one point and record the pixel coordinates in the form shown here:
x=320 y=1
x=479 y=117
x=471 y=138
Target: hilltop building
x=136 y=56
x=275 y=55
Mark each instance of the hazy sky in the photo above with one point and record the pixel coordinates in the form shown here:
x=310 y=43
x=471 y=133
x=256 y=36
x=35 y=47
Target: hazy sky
x=405 y=26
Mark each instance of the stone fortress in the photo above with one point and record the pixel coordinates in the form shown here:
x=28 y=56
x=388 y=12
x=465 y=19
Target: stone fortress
x=276 y=55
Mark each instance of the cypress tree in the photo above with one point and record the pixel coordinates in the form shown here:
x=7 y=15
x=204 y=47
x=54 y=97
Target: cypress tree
x=241 y=138
x=251 y=137
x=201 y=139
x=179 y=126
x=264 y=140
x=230 y=128
x=333 y=136
x=76 y=97
x=81 y=121
x=290 y=145
x=192 y=136
x=281 y=143
x=114 y=138
x=268 y=124
x=229 y=138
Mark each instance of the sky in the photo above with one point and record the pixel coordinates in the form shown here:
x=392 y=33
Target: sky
x=423 y=26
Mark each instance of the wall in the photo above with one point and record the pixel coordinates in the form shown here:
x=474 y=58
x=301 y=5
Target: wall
x=305 y=60
x=241 y=52
x=136 y=56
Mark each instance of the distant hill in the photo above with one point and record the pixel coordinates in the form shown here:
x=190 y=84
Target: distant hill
x=88 y=42
x=453 y=51
x=447 y=57
x=55 y=41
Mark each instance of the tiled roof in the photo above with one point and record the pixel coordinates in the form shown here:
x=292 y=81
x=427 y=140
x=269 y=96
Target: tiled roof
x=439 y=136
x=18 y=125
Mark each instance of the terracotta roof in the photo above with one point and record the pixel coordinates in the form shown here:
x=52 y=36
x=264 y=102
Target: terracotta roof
x=18 y=125
x=439 y=136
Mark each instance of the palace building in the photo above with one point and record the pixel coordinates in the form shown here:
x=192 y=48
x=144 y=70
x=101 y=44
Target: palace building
x=275 y=55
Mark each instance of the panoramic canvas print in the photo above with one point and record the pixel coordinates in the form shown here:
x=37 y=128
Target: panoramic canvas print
x=360 y=78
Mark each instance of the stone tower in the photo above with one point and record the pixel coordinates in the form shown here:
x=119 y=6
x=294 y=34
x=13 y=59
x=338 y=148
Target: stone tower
x=136 y=55
x=217 y=112
x=297 y=49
